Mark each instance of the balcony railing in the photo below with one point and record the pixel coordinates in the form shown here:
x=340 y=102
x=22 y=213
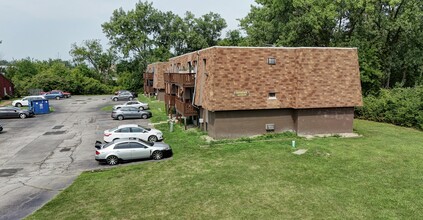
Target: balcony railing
x=148 y=76
x=185 y=79
x=168 y=78
x=182 y=79
x=169 y=100
x=148 y=89
x=184 y=108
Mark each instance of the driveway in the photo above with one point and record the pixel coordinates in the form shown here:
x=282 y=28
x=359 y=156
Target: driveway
x=41 y=156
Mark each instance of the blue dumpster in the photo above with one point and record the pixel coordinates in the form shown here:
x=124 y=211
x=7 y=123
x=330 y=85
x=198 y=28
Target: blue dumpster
x=39 y=106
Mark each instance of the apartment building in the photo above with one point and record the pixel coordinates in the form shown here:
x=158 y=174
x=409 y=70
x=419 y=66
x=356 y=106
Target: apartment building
x=241 y=91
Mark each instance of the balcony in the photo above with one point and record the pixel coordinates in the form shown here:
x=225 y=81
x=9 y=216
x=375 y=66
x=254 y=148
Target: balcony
x=185 y=109
x=181 y=79
x=185 y=79
x=148 y=89
x=169 y=100
x=148 y=76
x=168 y=78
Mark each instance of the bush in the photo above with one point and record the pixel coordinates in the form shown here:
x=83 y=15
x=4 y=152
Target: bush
x=399 y=106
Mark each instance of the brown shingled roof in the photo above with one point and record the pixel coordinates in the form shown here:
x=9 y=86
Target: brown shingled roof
x=240 y=78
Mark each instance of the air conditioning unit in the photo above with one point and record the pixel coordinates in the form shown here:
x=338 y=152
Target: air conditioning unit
x=270 y=127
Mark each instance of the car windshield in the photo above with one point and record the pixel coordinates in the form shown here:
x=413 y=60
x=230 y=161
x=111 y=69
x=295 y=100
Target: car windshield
x=148 y=129
x=113 y=129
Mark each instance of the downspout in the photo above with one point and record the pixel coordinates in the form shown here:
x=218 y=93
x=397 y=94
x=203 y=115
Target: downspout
x=195 y=88
x=195 y=81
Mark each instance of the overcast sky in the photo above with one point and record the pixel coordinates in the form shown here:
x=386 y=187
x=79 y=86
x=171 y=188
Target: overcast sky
x=43 y=29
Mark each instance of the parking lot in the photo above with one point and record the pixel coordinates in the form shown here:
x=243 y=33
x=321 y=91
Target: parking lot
x=41 y=156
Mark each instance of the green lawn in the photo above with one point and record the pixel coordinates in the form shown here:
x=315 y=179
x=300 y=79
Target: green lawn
x=376 y=176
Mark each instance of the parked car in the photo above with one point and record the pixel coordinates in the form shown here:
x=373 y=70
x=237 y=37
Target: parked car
x=131 y=149
x=135 y=104
x=130 y=112
x=133 y=131
x=14 y=112
x=65 y=94
x=123 y=96
x=54 y=95
x=25 y=100
x=134 y=94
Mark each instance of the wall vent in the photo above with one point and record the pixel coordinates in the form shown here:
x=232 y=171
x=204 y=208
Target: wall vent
x=271 y=61
x=270 y=127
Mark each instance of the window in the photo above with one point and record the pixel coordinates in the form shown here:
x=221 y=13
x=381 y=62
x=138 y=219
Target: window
x=124 y=145
x=136 y=130
x=123 y=130
x=137 y=145
x=205 y=65
x=272 y=95
x=189 y=67
x=271 y=61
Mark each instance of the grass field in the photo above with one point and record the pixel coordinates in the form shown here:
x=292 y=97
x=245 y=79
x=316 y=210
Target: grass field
x=376 y=176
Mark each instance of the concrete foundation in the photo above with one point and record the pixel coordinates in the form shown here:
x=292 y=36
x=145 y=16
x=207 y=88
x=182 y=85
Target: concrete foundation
x=235 y=124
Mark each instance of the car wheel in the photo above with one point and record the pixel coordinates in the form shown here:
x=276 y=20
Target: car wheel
x=152 y=138
x=144 y=116
x=57 y=97
x=18 y=104
x=141 y=108
x=120 y=117
x=157 y=155
x=22 y=115
x=130 y=98
x=112 y=160
x=115 y=99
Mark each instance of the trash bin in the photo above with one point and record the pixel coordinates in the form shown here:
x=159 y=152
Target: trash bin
x=39 y=106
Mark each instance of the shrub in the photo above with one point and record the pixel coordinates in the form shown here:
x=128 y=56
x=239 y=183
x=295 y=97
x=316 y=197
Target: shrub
x=399 y=106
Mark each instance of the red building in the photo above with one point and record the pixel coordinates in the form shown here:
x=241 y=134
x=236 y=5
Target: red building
x=6 y=86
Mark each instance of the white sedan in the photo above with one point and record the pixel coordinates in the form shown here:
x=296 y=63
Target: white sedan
x=133 y=131
x=24 y=101
x=136 y=104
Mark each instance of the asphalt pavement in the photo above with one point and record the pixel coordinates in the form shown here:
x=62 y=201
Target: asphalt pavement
x=41 y=156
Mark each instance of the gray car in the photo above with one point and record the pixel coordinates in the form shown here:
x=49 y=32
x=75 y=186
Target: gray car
x=123 y=96
x=14 y=112
x=130 y=112
x=131 y=149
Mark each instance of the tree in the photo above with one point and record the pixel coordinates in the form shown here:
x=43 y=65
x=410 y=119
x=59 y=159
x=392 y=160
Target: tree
x=233 y=38
x=145 y=35
x=91 y=53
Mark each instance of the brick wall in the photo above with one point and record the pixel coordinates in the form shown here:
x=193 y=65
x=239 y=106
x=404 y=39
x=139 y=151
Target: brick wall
x=159 y=70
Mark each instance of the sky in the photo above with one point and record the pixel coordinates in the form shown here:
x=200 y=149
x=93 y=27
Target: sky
x=44 y=29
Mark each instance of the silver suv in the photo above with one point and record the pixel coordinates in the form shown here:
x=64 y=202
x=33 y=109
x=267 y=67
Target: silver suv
x=131 y=149
x=130 y=112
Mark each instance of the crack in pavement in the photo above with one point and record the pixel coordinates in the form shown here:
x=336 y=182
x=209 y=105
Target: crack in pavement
x=11 y=190
x=73 y=151
x=40 y=188
x=44 y=160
